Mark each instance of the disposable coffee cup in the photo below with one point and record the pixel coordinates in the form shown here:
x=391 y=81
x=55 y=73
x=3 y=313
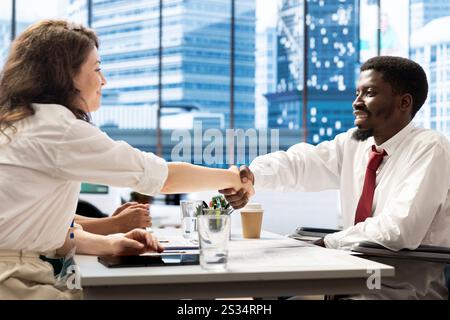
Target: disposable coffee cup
x=251 y=219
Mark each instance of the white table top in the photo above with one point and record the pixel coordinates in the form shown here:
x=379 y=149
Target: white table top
x=271 y=258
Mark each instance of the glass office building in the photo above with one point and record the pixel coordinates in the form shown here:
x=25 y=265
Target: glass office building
x=265 y=73
x=425 y=11
x=430 y=47
x=331 y=55
x=195 y=59
x=5 y=36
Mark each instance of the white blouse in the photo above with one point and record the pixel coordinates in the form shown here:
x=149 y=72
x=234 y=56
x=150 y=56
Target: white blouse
x=43 y=165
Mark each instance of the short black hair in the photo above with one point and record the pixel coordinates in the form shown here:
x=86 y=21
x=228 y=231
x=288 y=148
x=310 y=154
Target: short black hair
x=404 y=75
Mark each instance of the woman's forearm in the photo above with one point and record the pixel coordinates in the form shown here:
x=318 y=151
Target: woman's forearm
x=89 y=243
x=134 y=242
x=185 y=177
x=101 y=226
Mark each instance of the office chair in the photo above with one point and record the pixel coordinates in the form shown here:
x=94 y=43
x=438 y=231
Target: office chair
x=370 y=249
x=87 y=209
x=447 y=277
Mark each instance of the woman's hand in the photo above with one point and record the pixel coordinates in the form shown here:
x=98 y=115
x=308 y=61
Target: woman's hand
x=238 y=199
x=245 y=186
x=132 y=215
x=135 y=242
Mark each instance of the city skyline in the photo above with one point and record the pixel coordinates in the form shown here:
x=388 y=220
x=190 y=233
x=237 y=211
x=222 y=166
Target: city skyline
x=332 y=59
x=196 y=56
x=433 y=115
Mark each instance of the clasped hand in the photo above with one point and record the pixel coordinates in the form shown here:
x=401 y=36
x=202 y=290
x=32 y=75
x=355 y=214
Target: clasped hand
x=132 y=215
x=238 y=197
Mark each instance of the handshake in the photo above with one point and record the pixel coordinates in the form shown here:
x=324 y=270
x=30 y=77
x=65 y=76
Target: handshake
x=239 y=198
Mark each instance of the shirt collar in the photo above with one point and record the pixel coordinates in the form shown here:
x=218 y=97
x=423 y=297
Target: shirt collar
x=392 y=144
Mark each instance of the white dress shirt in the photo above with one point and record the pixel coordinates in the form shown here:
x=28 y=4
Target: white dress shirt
x=43 y=165
x=411 y=203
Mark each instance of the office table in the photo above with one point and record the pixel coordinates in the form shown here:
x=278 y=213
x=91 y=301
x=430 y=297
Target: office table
x=269 y=267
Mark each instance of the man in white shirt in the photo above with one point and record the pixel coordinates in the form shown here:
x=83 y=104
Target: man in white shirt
x=411 y=203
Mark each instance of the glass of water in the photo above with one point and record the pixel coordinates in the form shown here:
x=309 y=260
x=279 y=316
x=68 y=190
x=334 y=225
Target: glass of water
x=188 y=217
x=214 y=235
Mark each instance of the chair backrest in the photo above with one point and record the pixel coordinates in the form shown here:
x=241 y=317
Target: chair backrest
x=447 y=278
x=87 y=209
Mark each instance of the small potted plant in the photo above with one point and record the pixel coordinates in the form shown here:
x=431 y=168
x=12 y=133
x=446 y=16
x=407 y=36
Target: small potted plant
x=217 y=206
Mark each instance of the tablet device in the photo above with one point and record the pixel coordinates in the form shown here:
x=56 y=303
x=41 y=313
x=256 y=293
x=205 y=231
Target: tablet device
x=149 y=260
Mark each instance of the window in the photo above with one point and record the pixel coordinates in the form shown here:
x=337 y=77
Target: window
x=29 y=12
x=394 y=23
x=269 y=76
x=5 y=30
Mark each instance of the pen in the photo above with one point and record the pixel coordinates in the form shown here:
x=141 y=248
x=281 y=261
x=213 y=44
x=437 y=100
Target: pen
x=168 y=251
x=182 y=248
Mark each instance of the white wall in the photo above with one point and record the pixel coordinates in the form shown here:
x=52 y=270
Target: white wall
x=284 y=212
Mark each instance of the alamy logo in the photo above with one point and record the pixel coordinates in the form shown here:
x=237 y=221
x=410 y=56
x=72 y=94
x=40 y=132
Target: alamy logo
x=74 y=279
x=219 y=147
x=374 y=279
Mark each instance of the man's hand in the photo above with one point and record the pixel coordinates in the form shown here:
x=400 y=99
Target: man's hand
x=132 y=215
x=238 y=199
x=135 y=242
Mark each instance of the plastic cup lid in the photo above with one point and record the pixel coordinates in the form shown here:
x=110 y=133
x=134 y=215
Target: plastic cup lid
x=252 y=207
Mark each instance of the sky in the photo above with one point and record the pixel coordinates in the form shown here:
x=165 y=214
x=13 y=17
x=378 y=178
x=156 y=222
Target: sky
x=31 y=10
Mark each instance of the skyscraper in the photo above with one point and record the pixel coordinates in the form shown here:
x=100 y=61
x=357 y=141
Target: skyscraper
x=196 y=56
x=424 y=11
x=430 y=47
x=331 y=55
x=265 y=74
x=5 y=36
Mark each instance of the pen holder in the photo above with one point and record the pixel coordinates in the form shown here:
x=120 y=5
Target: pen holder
x=218 y=212
x=214 y=236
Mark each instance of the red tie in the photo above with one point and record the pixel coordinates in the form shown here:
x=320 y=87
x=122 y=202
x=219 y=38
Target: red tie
x=364 y=209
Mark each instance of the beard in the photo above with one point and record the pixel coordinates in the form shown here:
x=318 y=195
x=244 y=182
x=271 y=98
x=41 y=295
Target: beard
x=362 y=135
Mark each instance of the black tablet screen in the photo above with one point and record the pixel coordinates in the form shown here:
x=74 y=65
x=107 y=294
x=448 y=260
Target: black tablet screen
x=149 y=260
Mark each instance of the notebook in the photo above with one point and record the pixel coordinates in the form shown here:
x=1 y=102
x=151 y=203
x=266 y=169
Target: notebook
x=178 y=243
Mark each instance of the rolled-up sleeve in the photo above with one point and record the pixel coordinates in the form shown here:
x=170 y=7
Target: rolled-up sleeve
x=86 y=154
x=303 y=167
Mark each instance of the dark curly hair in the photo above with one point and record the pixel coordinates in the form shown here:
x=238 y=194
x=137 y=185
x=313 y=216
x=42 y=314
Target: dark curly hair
x=404 y=75
x=40 y=68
